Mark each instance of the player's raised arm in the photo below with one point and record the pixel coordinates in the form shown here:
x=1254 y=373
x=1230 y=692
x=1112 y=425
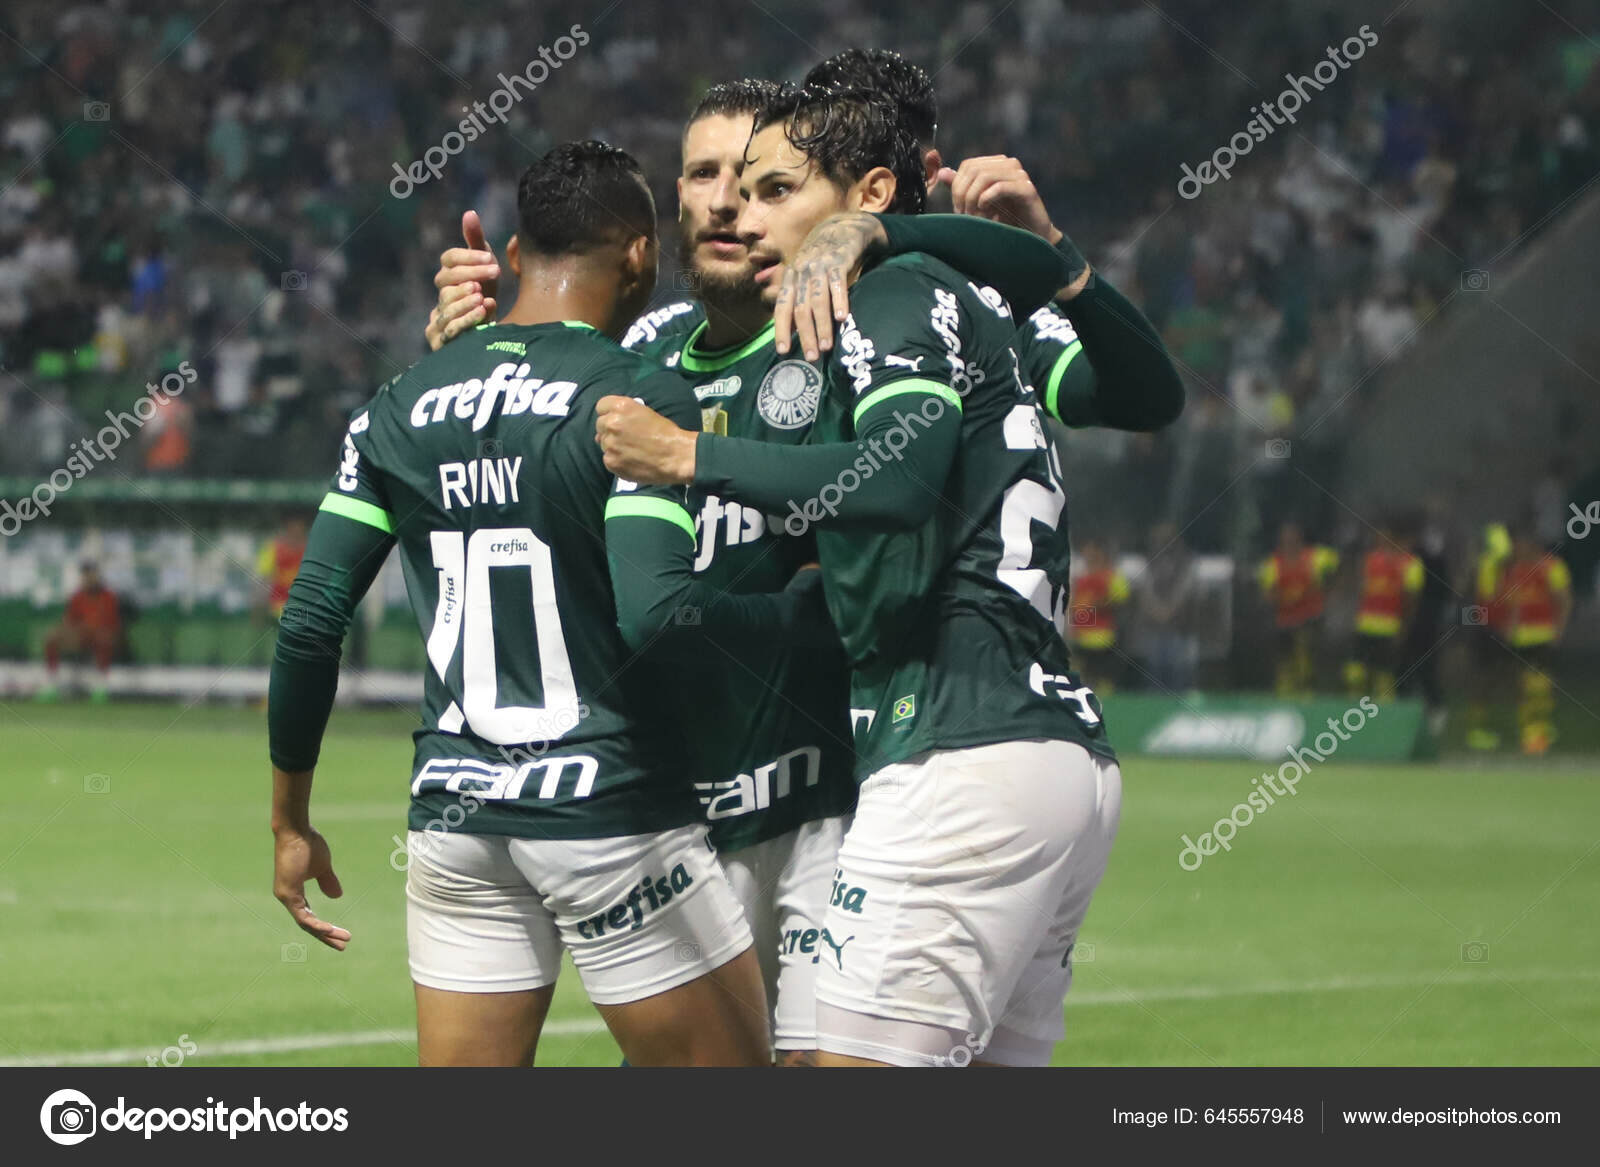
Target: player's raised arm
x=347 y=545
x=1092 y=356
x=813 y=294
x=468 y=280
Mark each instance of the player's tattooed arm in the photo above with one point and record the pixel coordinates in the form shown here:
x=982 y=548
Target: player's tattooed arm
x=813 y=292
x=468 y=280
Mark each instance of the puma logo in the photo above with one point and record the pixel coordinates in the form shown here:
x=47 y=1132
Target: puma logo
x=838 y=949
x=912 y=363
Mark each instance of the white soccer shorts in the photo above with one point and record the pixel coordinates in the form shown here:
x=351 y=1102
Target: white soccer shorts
x=641 y=914
x=783 y=885
x=961 y=887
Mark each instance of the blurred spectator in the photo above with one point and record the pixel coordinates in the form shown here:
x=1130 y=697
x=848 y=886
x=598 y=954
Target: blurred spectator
x=1164 y=610
x=1099 y=592
x=1293 y=580
x=279 y=563
x=91 y=626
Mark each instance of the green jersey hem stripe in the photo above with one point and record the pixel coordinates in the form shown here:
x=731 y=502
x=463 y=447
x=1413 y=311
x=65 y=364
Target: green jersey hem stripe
x=361 y=512
x=621 y=506
x=711 y=362
x=913 y=386
x=1060 y=370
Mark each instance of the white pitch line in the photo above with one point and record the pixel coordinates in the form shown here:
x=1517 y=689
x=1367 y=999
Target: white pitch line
x=297 y=1043
x=586 y=1026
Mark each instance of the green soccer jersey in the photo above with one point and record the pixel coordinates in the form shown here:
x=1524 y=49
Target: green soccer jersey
x=768 y=727
x=1051 y=358
x=954 y=628
x=482 y=462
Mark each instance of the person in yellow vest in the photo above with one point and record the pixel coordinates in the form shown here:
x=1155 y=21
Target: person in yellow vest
x=1485 y=622
x=1536 y=600
x=1294 y=579
x=279 y=562
x=1391 y=581
x=1098 y=593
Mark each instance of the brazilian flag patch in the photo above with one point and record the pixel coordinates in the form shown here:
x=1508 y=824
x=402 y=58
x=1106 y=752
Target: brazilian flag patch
x=904 y=709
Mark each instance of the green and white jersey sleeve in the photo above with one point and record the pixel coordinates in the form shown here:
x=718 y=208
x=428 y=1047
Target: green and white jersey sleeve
x=1054 y=363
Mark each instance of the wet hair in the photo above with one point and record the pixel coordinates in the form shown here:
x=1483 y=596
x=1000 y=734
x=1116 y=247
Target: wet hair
x=581 y=196
x=847 y=132
x=885 y=72
x=748 y=95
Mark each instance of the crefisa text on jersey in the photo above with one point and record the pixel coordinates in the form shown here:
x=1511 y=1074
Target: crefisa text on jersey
x=509 y=387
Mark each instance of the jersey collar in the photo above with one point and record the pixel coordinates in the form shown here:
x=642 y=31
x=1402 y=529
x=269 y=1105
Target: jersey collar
x=710 y=362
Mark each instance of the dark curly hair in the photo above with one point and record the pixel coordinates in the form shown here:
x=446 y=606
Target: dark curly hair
x=885 y=72
x=746 y=95
x=581 y=196
x=847 y=132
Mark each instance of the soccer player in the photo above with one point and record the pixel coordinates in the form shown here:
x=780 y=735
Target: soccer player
x=92 y=624
x=989 y=796
x=536 y=579
x=1292 y=578
x=770 y=743
x=1391 y=580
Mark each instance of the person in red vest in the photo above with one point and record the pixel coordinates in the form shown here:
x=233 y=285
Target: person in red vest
x=1391 y=581
x=1535 y=600
x=1293 y=579
x=92 y=624
x=279 y=562
x=1097 y=594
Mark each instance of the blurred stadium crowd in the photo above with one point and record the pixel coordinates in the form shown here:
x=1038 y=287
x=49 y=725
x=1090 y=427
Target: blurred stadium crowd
x=215 y=187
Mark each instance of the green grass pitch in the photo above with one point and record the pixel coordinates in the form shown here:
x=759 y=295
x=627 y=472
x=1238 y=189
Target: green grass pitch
x=1430 y=914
